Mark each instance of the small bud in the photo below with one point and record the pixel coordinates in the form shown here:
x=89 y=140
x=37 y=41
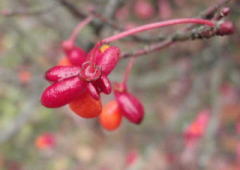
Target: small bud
x=67 y=45
x=130 y=107
x=226 y=28
x=225 y=11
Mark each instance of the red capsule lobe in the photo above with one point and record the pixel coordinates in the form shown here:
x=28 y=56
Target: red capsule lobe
x=130 y=107
x=93 y=91
x=108 y=59
x=59 y=73
x=61 y=93
x=103 y=84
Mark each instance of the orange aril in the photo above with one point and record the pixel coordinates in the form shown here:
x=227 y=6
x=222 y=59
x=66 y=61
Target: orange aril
x=111 y=117
x=86 y=106
x=64 y=61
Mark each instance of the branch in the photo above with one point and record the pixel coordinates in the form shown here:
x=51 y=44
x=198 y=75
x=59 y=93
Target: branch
x=30 y=12
x=208 y=13
x=198 y=33
x=174 y=38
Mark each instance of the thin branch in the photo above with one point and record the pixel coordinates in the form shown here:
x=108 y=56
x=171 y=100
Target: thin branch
x=208 y=13
x=28 y=12
x=198 y=33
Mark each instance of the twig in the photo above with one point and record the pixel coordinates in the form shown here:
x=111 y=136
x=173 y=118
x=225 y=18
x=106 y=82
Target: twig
x=172 y=39
x=208 y=13
x=198 y=33
x=31 y=12
x=143 y=39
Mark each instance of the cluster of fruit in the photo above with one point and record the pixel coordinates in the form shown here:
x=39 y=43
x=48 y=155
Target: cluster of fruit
x=82 y=77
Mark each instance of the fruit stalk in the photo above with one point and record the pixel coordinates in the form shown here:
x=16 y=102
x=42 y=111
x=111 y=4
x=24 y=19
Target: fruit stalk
x=157 y=25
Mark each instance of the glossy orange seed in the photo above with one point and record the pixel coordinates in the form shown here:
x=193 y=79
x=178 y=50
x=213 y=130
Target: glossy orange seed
x=111 y=117
x=86 y=106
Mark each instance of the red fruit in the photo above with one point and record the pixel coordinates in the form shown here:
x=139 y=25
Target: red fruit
x=130 y=106
x=105 y=56
x=110 y=117
x=24 y=76
x=86 y=106
x=197 y=128
x=143 y=9
x=131 y=158
x=61 y=93
x=59 y=73
x=108 y=59
x=45 y=141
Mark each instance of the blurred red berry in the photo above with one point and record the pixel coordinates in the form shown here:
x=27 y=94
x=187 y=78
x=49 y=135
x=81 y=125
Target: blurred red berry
x=122 y=13
x=24 y=76
x=131 y=158
x=165 y=10
x=197 y=128
x=45 y=141
x=143 y=9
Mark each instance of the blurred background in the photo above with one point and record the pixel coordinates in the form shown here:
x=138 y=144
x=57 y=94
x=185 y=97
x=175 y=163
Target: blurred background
x=190 y=91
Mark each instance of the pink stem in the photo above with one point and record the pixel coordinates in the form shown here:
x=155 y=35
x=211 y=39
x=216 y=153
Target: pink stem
x=128 y=70
x=158 y=25
x=79 y=27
